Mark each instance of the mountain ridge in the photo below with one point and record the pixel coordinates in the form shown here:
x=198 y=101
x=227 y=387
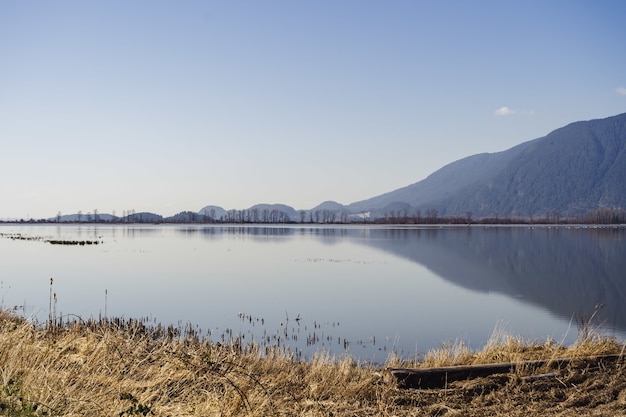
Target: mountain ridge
x=574 y=169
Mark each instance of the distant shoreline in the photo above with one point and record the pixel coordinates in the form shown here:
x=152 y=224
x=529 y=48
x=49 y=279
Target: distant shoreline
x=487 y=222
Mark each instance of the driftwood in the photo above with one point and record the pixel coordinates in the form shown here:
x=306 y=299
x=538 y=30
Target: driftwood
x=533 y=378
x=441 y=377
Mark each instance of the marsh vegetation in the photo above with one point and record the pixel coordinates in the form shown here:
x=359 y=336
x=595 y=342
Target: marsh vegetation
x=115 y=367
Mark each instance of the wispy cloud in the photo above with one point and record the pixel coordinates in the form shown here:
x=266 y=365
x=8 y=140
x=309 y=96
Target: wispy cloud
x=621 y=90
x=505 y=111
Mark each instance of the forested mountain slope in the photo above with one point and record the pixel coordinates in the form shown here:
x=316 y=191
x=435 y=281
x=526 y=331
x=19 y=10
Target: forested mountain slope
x=572 y=170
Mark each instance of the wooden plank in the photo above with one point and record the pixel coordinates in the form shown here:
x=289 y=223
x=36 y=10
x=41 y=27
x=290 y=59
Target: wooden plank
x=440 y=377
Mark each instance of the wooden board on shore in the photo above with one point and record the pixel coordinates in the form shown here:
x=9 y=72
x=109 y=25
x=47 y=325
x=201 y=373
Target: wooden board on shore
x=442 y=376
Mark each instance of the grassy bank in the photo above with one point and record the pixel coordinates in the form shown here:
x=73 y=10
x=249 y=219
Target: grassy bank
x=123 y=368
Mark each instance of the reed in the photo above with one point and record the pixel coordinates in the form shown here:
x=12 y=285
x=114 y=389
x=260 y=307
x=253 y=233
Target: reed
x=125 y=367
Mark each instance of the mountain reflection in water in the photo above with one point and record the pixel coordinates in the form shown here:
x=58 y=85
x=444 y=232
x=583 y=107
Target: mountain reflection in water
x=569 y=271
x=409 y=288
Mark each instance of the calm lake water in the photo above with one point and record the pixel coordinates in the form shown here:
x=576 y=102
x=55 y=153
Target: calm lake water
x=365 y=291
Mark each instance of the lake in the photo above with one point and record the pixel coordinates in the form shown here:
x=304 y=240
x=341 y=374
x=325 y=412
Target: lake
x=359 y=290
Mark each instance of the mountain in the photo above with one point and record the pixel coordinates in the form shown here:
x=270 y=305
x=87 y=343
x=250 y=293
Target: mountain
x=327 y=212
x=329 y=205
x=259 y=213
x=572 y=170
x=446 y=182
x=187 y=217
x=89 y=217
x=273 y=213
x=141 y=217
x=214 y=212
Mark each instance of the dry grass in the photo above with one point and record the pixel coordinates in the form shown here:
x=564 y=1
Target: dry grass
x=116 y=368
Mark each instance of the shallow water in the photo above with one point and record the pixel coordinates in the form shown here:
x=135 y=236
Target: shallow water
x=366 y=291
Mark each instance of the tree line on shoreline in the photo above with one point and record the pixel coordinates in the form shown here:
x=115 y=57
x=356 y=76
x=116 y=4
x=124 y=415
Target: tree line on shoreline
x=596 y=216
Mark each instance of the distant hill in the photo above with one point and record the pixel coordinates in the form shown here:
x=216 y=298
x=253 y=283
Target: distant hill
x=89 y=217
x=572 y=170
x=259 y=213
x=329 y=205
x=327 y=212
x=214 y=212
x=187 y=217
x=273 y=213
x=141 y=217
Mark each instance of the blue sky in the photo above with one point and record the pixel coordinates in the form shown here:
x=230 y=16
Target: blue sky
x=167 y=106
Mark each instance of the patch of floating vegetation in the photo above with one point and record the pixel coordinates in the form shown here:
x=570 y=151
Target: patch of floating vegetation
x=19 y=236
x=334 y=260
x=73 y=242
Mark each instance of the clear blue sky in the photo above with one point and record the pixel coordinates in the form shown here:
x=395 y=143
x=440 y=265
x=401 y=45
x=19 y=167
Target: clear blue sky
x=167 y=106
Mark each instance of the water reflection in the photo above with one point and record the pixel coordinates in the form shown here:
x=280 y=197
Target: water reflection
x=405 y=288
x=567 y=270
x=570 y=271
x=328 y=234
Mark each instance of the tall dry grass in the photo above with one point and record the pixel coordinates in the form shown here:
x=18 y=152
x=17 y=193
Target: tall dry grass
x=125 y=368
x=114 y=367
